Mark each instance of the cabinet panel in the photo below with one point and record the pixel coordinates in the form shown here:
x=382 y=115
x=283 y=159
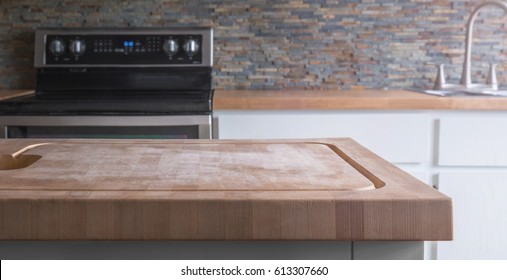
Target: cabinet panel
x=388 y=250
x=397 y=137
x=176 y=250
x=480 y=220
x=473 y=141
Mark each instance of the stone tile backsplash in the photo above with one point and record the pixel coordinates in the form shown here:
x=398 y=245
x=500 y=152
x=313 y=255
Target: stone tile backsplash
x=275 y=44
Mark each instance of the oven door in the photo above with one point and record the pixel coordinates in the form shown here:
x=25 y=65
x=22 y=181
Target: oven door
x=112 y=127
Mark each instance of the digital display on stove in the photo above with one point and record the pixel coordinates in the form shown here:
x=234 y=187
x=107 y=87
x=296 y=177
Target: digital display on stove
x=123 y=49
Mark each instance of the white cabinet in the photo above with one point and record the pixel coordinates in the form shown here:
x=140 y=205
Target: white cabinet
x=480 y=214
x=472 y=162
x=478 y=140
x=397 y=137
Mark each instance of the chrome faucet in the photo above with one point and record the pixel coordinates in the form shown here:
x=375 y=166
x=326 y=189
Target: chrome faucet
x=466 y=79
x=466 y=84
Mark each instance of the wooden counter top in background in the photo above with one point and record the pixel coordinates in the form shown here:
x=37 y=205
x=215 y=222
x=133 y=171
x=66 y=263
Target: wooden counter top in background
x=334 y=100
x=349 y=100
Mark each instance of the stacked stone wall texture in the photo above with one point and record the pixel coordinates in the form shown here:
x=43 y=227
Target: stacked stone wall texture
x=275 y=44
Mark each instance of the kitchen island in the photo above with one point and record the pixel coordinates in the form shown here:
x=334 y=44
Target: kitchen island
x=318 y=198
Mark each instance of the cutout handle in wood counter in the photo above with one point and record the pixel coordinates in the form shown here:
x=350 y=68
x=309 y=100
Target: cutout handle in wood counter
x=17 y=160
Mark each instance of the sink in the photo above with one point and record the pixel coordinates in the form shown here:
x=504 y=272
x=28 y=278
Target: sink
x=461 y=92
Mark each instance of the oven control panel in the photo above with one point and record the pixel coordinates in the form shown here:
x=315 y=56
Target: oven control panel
x=77 y=47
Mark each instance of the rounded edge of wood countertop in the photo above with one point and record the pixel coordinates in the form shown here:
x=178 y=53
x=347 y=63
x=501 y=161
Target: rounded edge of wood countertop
x=370 y=99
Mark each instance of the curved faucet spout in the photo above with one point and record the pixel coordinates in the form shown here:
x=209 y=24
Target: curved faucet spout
x=466 y=79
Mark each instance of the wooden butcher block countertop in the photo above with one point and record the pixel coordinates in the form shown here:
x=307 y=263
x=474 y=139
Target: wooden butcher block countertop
x=322 y=189
x=368 y=99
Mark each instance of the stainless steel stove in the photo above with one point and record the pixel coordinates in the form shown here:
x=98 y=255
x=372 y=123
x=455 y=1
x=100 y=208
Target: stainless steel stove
x=116 y=83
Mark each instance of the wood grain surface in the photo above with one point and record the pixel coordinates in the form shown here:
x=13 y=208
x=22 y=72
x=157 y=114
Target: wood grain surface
x=349 y=100
x=185 y=167
x=322 y=189
x=334 y=100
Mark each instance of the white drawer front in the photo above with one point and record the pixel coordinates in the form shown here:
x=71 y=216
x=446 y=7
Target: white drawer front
x=480 y=220
x=473 y=141
x=399 y=138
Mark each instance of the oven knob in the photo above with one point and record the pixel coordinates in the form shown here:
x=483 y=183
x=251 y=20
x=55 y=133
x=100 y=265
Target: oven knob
x=171 y=46
x=191 y=47
x=77 y=47
x=57 y=47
